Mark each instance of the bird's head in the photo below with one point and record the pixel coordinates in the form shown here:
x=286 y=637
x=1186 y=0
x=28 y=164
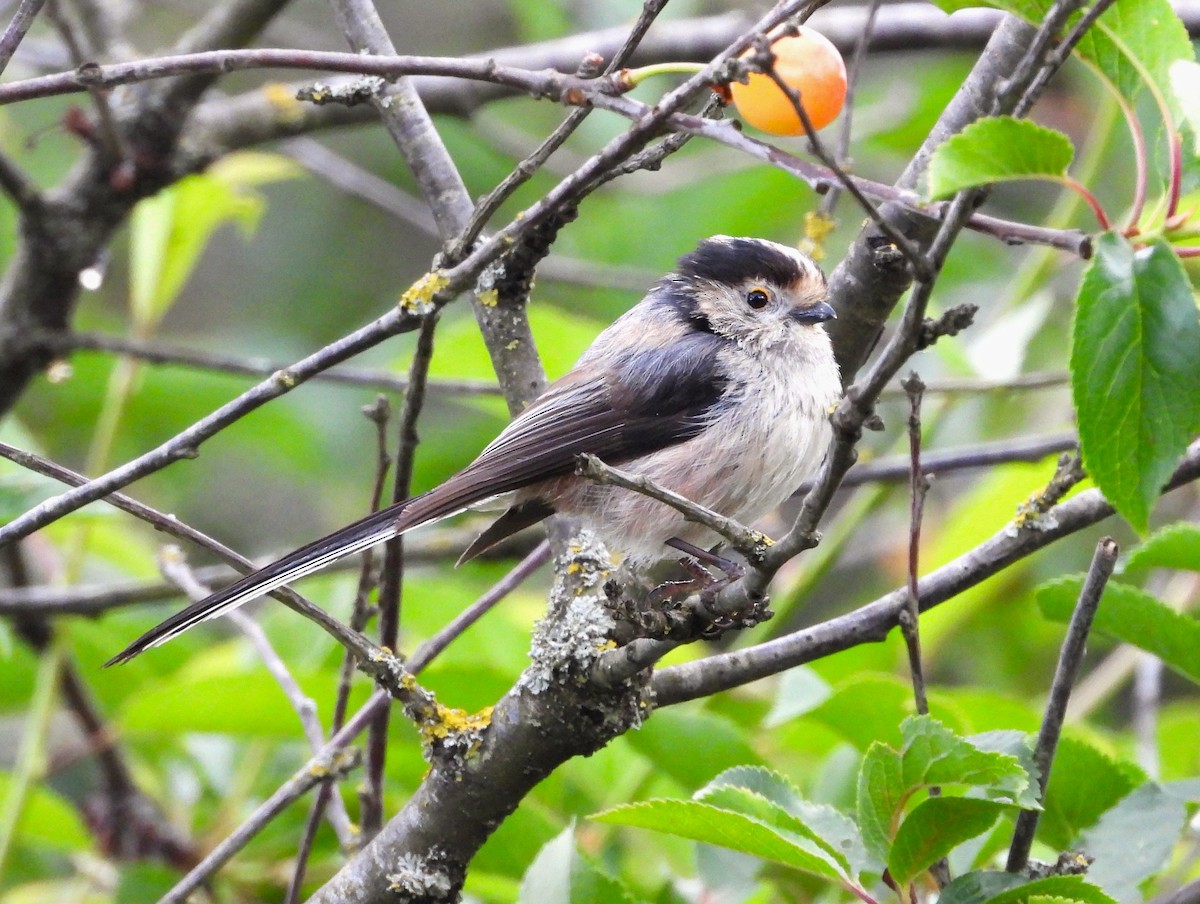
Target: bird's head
x=751 y=291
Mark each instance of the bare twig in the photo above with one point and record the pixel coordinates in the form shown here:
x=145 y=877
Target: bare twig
x=380 y=664
x=176 y=569
x=14 y=33
x=948 y=461
x=750 y=543
x=829 y=202
x=204 y=359
x=918 y=488
x=332 y=763
x=1069 y=660
x=392 y=582
x=525 y=170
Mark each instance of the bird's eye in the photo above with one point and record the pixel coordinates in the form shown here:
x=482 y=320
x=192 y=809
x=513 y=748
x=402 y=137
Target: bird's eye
x=758 y=298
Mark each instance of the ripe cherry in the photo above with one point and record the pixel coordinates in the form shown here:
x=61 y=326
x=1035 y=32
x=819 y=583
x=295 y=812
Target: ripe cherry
x=808 y=63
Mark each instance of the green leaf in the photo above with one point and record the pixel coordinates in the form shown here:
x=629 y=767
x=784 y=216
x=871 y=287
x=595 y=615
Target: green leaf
x=833 y=830
x=169 y=231
x=1008 y=888
x=1175 y=546
x=933 y=755
x=1132 y=45
x=1083 y=784
x=771 y=834
x=882 y=791
x=1133 y=840
x=998 y=149
x=1133 y=616
x=933 y=829
x=1135 y=371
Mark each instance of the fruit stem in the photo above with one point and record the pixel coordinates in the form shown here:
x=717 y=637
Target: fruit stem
x=634 y=77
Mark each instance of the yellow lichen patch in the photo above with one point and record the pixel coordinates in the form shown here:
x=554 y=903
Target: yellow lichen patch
x=283 y=99
x=451 y=723
x=609 y=644
x=512 y=345
x=418 y=298
x=489 y=298
x=817 y=226
x=285 y=378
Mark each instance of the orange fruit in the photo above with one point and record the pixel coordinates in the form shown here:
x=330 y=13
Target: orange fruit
x=808 y=63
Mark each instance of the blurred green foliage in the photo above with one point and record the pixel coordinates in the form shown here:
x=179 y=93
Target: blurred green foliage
x=207 y=731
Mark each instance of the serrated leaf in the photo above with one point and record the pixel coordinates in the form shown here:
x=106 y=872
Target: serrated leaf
x=994 y=887
x=1175 y=546
x=1134 y=42
x=933 y=829
x=882 y=791
x=1133 y=616
x=933 y=755
x=754 y=805
x=1135 y=371
x=998 y=149
x=1133 y=840
x=737 y=831
x=836 y=831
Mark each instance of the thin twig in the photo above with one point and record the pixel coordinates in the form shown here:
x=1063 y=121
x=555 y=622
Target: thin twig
x=486 y=208
x=109 y=133
x=948 y=461
x=750 y=543
x=873 y=621
x=912 y=254
x=175 y=567
x=204 y=359
x=392 y=582
x=380 y=664
x=324 y=794
x=918 y=488
x=861 y=42
x=27 y=11
x=1070 y=658
x=332 y=763
x=910 y=615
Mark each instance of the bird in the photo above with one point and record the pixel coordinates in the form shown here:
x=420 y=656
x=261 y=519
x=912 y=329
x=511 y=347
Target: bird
x=717 y=384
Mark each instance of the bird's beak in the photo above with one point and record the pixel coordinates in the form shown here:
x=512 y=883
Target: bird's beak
x=817 y=313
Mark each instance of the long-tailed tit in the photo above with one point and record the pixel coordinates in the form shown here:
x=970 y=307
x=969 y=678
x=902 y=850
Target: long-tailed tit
x=717 y=385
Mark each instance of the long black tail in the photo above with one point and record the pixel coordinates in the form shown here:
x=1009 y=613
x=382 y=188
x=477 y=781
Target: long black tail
x=375 y=528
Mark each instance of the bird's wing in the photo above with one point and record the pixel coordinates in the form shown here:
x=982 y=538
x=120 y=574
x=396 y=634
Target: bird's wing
x=652 y=398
